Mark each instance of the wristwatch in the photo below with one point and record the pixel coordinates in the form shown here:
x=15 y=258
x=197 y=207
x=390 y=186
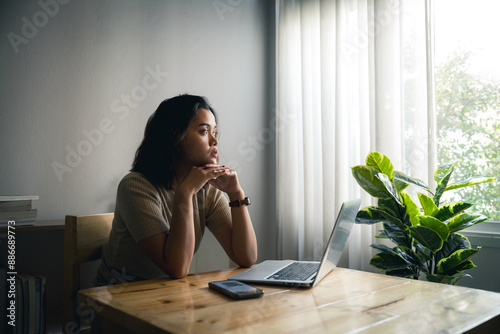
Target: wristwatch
x=240 y=202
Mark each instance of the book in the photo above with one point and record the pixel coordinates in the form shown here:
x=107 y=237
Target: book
x=24 y=205
x=26 y=303
x=18 y=198
x=18 y=216
x=17 y=208
x=38 y=304
x=19 y=329
x=30 y=304
x=3 y=299
x=18 y=223
x=43 y=303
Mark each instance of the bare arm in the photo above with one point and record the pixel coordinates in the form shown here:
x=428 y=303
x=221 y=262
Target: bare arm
x=238 y=236
x=173 y=251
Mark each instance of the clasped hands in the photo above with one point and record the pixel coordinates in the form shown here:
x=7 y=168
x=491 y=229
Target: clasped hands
x=221 y=177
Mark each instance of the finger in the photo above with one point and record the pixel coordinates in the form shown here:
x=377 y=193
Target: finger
x=217 y=171
x=211 y=166
x=230 y=172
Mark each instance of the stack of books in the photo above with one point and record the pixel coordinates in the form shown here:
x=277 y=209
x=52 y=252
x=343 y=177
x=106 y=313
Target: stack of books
x=18 y=209
x=24 y=299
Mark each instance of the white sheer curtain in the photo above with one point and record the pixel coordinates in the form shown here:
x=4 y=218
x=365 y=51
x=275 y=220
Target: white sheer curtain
x=351 y=78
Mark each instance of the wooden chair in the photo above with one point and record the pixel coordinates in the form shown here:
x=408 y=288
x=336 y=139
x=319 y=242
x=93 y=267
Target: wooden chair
x=84 y=237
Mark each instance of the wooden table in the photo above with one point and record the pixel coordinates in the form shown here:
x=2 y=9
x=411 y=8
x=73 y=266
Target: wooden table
x=345 y=301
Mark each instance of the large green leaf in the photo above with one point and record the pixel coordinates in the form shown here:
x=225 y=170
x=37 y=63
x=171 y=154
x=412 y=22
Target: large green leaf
x=461 y=268
x=402 y=177
x=391 y=206
x=422 y=251
x=442 y=176
x=457 y=262
x=428 y=204
x=400 y=186
x=382 y=235
x=445 y=279
x=465 y=220
x=381 y=163
x=412 y=209
x=408 y=273
x=435 y=225
x=383 y=248
x=387 y=261
x=427 y=237
x=455 y=242
x=441 y=187
x=368 y=178
x=390 y=217
x=395 y=234
x=470 y=182
x=369 y=215
x=443 y=170
x=389 y=186
x=448 y=210
x=409 y=256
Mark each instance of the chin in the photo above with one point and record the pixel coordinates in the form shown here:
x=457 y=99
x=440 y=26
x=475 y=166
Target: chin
x=207 y=162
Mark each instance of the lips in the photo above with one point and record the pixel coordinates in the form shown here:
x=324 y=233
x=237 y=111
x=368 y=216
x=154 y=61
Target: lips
x=214 y=152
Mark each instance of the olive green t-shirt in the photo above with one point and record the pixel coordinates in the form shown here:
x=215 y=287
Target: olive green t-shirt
x=143 y=210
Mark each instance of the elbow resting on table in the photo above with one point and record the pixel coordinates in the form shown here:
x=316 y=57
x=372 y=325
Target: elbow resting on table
x=246 y=262
x=178 y=273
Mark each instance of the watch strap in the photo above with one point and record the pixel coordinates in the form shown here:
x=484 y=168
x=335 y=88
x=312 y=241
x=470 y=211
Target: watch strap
x=240 y=202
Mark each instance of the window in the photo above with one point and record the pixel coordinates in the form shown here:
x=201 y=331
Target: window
x=468 y=96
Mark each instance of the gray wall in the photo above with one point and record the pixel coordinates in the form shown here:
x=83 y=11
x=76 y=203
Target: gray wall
x=79 y=80
x=487 y=271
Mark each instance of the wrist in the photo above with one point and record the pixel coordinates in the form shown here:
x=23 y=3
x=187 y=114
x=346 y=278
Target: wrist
x=182 y=193
x=239 y=195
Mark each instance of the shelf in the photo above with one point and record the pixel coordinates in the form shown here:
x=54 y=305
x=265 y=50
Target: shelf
x=54 y=224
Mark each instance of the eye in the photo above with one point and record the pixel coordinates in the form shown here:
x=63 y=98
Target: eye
x=204 y=132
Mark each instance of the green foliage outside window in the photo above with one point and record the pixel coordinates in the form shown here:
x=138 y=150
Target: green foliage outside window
x=468 y=121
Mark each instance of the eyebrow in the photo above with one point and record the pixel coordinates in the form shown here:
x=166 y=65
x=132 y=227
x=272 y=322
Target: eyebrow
x=206 y=124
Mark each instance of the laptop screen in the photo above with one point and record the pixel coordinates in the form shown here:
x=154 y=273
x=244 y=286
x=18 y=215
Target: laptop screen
x=338 y=239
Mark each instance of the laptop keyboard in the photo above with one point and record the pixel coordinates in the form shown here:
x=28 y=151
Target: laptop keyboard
x=296 y=271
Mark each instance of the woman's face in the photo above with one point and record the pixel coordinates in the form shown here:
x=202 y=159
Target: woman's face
x=199 y=147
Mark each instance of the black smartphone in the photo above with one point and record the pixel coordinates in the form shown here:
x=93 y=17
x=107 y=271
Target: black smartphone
x=236 y=289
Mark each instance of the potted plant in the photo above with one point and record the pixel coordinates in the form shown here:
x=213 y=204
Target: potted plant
x=426 y=238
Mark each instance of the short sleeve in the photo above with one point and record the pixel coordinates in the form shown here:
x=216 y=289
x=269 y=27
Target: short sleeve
x=139 y=204
x=218 y=211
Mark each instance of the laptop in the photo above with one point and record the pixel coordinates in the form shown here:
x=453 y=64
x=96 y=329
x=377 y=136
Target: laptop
x=306 y=273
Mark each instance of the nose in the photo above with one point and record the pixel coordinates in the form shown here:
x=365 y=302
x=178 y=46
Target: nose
x=213 y=140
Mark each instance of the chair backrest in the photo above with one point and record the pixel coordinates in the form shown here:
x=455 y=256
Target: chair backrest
x=84 y=237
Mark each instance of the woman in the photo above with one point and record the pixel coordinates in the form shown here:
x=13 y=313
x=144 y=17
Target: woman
x=174 y=190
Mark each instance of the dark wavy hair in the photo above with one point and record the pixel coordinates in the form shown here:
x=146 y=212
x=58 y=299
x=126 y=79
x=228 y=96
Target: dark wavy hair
x=159 y=153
